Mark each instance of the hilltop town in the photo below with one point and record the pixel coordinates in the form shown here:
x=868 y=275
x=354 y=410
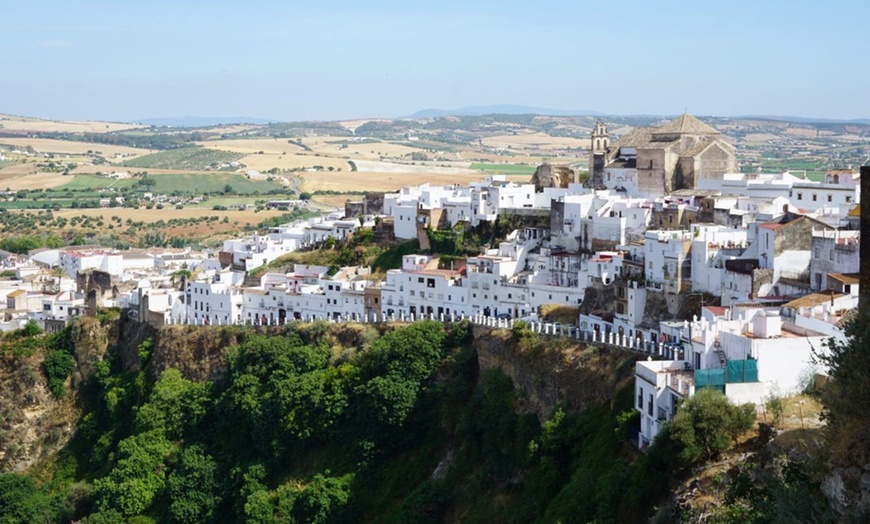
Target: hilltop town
x=729 y=279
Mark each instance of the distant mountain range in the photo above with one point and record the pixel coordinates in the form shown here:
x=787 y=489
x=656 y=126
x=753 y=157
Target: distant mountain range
x=202 y=121
x=802 y=119
x=502 y=109
x=499 y=109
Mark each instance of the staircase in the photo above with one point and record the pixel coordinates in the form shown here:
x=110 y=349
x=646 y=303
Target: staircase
x=721 y=353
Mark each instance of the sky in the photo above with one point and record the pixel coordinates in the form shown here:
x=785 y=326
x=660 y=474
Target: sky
x=330 y=60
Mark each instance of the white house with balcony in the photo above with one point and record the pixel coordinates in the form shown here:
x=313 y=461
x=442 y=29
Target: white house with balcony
x=420 y=288
x=659 y=386
x=712 y=246
x=215 y=299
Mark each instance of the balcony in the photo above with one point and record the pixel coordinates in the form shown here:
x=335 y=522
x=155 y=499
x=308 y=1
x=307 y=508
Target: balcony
x=662 y=415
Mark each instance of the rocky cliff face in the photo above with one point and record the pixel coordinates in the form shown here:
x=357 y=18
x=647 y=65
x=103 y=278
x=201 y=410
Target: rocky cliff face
x=35 y=423
x=554 y=373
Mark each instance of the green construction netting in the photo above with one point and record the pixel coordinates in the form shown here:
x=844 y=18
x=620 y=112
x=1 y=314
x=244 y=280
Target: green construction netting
x=741 y=371
x=709 y=377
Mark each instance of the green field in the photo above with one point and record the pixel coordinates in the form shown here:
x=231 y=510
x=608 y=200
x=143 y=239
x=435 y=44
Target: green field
x=506 y=169
x=210 y=183
x=188 y=158
x=85 y=182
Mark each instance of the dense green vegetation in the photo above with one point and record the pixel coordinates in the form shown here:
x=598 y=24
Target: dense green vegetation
x=314 y=423
x=303 y=429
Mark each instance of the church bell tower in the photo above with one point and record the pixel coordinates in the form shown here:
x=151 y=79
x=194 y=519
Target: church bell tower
x=598 y=155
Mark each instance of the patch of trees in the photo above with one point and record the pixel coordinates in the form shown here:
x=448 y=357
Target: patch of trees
x=25 y=243
x=153 y=140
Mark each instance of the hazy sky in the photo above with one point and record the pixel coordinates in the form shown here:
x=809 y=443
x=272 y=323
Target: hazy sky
x=317 y=59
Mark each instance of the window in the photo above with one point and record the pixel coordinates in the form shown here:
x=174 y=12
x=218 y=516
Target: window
x=639 y=398
x=815 y=197
x=830 y=198
x=848 y=199
x=420 y=280
x=649 y=406
x=800 y=196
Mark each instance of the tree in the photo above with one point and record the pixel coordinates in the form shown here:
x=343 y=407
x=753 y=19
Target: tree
x=228 y=189
x=705 y=424
x=323 y=498
x=138 y=477
x=845 y=395
x=193 y=486
x=21 y=501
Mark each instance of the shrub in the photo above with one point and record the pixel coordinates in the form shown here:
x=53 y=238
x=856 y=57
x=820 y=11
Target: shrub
x=57 y=366
x=706 y=423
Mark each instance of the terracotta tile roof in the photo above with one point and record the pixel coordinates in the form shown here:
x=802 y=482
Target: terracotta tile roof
x=716 y=310
x=686 y=124
x=846 y=278
x=813 y=299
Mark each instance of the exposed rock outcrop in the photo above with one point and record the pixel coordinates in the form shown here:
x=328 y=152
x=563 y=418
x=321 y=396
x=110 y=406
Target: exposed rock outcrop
x=549 y=374
x=547 y=175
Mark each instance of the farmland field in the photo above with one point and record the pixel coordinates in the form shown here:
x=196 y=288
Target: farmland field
x=296 y=161
x=23 y=177
x=69 y=147
x=188 y=158
x=250 y=146
x=247 y=216
x=97 y=182
x=392 y=181
x=507 y=169
x=535 y=141
x=210 y=183
x=13 y=123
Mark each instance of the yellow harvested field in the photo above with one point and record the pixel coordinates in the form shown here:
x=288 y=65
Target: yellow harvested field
x=33 y=181
x=540 y=141
x=13 y=123
x=334 y=201
x=18 y=170
x=254 y=145
x=798 y=131
x=760 y=137
x=68 y=147
x=247 y=216
x=431 y=168
x=266 y=162
x=334 y=146
x=354 y=181
x=532 y=160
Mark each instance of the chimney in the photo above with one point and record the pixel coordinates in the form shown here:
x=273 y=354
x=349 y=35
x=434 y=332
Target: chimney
x=864 y=297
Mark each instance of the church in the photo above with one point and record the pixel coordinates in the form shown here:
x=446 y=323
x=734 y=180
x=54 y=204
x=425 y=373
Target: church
x=656 y=161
